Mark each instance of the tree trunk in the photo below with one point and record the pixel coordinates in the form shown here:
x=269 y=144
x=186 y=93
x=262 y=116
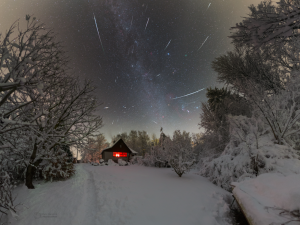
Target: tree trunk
x=31 y=168
x=29 y=176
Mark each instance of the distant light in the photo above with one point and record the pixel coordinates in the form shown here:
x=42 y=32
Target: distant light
x=119 y=154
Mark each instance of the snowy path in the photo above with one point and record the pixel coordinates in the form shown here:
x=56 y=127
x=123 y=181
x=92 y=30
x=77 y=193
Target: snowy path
x=64 y=202
x=129 y=195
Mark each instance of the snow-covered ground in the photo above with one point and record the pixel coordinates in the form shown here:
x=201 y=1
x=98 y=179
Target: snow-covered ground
x=132 y=195
x=265 y=198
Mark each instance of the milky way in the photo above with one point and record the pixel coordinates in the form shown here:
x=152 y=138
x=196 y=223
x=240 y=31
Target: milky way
x=141 y=55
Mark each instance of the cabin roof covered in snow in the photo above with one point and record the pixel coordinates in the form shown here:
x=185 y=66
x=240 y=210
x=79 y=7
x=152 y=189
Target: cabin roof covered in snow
x=119 y=142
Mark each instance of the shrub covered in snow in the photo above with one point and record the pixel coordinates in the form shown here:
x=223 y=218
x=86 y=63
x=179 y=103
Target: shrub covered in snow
x=121 y=162
x=250 y=152
x=148 y=160
x=110 y=162
x=56 y=166
x=6 y=198
x=137 y=160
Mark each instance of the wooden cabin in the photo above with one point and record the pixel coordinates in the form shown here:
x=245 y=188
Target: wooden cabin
x=118 y=151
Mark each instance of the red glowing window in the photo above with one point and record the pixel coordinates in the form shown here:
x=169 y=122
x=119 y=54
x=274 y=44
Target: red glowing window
x=120 y=154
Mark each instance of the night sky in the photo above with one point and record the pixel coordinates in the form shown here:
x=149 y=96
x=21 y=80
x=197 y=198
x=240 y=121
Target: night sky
x=148 y=53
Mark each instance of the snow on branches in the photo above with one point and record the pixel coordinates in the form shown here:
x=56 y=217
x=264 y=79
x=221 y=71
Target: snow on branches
x=6 y=198
x=264 y=143
x=269 y=24
x=57 y=166
x=41 y=105
x=281 y=111
x=180 y=153
x=177 y=152
x=27 y=59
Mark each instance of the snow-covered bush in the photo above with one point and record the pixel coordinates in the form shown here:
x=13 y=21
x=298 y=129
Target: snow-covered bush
x=137 y=160
x=6 y=198
x=121 y=162
x=56 y=166
x=148 y=159
x=250 y=152
x=101 y=162
x=110 y=162
x=133 y=160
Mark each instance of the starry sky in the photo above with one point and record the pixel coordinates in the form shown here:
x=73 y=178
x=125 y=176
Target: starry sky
x=149 y=59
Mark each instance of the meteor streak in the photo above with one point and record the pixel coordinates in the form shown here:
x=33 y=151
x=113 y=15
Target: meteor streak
x=203 y=43
x=131 y=23
x=168 y=44
x=147 y=23
x=98 y=32
x=208 y=6
x=190 y=93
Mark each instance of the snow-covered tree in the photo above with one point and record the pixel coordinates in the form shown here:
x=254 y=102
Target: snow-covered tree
x=158 y=153
x=179 y=152
x=269 y=24
x=221 y=103
x=272 y=30
x=27 y=58
x=243 y=68
x=70 y=121
x=282 y=111
x=263 y=69
x=92 y=151
x=58 y=168
x=42 y=106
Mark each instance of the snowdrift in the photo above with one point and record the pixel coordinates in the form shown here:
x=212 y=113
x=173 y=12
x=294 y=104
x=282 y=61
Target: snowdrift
x=269 y=198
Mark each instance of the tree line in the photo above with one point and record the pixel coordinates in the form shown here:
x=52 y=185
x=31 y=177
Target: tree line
x=139 y=141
